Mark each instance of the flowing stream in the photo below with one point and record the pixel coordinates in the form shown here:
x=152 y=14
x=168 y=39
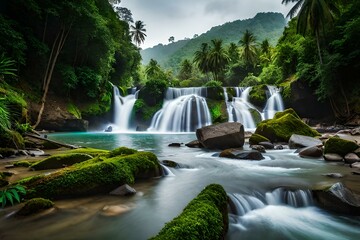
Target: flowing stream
x=269 y=198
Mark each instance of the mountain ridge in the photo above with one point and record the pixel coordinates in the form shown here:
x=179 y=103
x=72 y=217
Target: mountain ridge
x=268 y=25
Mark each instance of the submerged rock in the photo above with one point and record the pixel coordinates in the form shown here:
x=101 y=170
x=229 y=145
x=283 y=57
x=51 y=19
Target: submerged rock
x=267 y=145
x=194 y=144
x=334 y=175
x=258 y=148
x=338 y=199
x=300 y=141
x=283 y=125
x=241 y=154
x=114 y=210
x=123 y=190
x=222 y=136
x=174 y=145
x=34 y=206
x=333 y=157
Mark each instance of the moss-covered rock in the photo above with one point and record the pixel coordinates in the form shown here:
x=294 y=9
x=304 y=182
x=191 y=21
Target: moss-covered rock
x=257 y=95
x=97 y=175
x=90 y=151
x=339 y=146
x=60 y=161
x=34 y=206
x=205 y=217
x=283 y=125
x=256 y=138
x=121 y=151
x=22 y=164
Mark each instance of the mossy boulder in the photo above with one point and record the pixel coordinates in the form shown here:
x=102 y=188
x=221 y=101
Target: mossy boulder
x=34 y=206
x=339 y=146
x=205 y=217
x=257 y=95
x=60 y=161
x=121 y=151
x=215 y=93
x=283 y=125
x=98 y=175
x=90 y=151
x=255 y=139
x=22 y=164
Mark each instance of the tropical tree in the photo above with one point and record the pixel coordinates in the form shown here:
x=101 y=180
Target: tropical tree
x=218 y=58
x=233 y=53
x=249 y=50
x=186 y=69
x=313 y=15
x=152 y=69
x=171 y=39
x=201 y=58
x=137 y=32
x=266 y=52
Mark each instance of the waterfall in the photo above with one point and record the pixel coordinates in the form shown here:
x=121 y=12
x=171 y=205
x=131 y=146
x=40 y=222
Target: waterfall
x=239 y=109
x=274 y=103
x=122 y=109
x=241 y=204
x=184 y=110
x=166 y=171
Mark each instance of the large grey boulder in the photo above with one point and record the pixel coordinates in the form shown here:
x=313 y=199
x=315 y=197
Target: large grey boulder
x=338 y=199
x=222 y=136
x=300 y=141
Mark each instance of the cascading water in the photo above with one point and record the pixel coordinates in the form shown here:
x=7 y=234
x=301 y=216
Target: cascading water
x=122 y=110
x=274 y=103
x=239 y=109
x=242 y=204
x=184 y=110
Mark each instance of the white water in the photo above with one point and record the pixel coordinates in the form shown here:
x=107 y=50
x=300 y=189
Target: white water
x=274 y=103
x=122 y=110
x=239 y=109
x=184 y=110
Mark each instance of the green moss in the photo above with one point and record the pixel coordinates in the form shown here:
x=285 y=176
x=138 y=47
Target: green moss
x=22 y=164
x=217 y=111
x=60 y=160
x=257 y=95
x=282 y=126
x=256 y=138
x=339 y=146
x=90 y=151
x=286 y=111
x=121 y=151
x=72 y=109
x=205 y=217
x=98 y=175
x=34 y=206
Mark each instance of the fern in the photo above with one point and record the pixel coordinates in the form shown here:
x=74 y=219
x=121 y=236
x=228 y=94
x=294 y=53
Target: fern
x=11 y=194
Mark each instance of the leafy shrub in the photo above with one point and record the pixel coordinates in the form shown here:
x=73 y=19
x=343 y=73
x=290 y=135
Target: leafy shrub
x=8 y=195
x=249 y=80
x=74 y=110
x=213 y=83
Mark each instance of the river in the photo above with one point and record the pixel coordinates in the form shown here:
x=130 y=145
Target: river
x=270 y=197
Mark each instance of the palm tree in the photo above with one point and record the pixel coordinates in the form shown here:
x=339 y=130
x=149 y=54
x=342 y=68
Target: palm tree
x=249 y=51
x=152 y=69
x=233 y=52
x=138 y=32
x=201 y=58
x=218 y=58
x=312 y=15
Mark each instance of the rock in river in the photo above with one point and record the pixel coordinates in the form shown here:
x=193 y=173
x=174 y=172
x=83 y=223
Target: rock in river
x=222 y=136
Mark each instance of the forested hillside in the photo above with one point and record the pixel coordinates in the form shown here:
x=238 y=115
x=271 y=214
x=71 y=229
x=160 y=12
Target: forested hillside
x=264 y=25
x=71 y=49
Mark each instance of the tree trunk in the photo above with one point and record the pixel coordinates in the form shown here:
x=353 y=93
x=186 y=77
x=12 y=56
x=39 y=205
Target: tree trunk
x=58 y=45
x=318 y=46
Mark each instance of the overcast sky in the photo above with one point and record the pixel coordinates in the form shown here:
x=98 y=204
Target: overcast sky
x=184 y=18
